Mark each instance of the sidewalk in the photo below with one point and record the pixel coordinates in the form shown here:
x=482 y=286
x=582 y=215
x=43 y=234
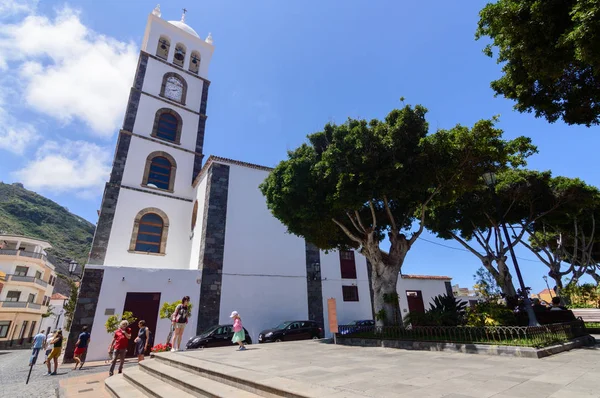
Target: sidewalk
x=89 y=385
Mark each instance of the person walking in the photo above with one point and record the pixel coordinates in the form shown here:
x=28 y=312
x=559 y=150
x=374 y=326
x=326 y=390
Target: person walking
x=56 y=344
x=81 y=347
x=39 y=342
x=47 y=345
x=119 y=344
x=141 y=341
x=239 y=335
x=179 y=320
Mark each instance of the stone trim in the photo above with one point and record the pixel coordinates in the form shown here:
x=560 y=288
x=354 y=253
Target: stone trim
x=159 y=141
x=173 y=103
x=212 y=246
x=149 y=159
x=136 y=229
x=85 y=309
x=179 y=69
x=156 y=193
x=164 y=85
x=314 y=284
x=200 y=133
x=171 y=112
x=140 y=74
x=212 y=159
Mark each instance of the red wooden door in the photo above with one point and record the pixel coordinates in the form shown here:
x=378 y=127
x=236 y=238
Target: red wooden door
x=144 y=306
x=414 y=298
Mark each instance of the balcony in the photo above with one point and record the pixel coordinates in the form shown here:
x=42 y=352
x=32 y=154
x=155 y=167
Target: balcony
x=20 y=304
x=27 y=279
x=22 y=253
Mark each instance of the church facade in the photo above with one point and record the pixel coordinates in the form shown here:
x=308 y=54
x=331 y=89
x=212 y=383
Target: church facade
x=174 y=224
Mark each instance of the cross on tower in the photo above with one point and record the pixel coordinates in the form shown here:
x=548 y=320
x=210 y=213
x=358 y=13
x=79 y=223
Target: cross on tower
x=183 y=15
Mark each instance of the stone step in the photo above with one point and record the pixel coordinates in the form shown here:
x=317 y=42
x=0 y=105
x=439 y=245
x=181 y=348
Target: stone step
x=261 y=384
x=152 y=386
x=118 y=387
x=192 y=383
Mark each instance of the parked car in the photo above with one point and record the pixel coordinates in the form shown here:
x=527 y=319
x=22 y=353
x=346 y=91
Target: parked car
x=291 y=330
x=357 y=326
x=216 y=336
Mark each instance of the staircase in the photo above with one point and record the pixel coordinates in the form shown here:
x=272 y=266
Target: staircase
x=183 y=375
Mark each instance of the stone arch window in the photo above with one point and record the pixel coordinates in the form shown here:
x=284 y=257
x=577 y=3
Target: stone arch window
x=159 y=172
x=150 y=231
x=162 y=48
x=195 y=62
x=174 y=87
x=167 y=125
x=179 y=57
x=194 y=215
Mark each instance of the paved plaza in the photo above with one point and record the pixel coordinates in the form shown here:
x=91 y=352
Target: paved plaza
x=385 y=372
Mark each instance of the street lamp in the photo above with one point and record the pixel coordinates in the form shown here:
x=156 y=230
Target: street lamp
x=490 y=181
x=548 y=286
x=72 y=267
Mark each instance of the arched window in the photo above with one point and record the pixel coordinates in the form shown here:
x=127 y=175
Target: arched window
x=162 y=49
x=159 y=172
x=194 y=215
x=195 y=62
x=150 y=230
x=174 y=87
x=179 y=56
x=167 y=125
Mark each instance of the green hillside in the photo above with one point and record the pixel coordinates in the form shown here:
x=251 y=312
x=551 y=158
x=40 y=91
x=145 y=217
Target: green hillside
x=24 y=212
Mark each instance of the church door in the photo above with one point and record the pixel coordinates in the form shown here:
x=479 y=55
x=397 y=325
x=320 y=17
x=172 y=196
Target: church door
x=144 y=306
x=414 y=299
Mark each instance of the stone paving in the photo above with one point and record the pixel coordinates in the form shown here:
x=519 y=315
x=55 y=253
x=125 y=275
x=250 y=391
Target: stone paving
x=386 y=372
x=13 y=374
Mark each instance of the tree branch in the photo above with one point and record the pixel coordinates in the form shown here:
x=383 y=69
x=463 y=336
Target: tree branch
x=415 y=236
x=467 y=246
x=362 y=231
x=373 y=214
x=389 y=213
x=359 y=219
x=347 y=231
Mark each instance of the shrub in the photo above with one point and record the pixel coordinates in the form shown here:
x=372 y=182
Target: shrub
x=490 y=313
x=112 y=323
x=445 y=310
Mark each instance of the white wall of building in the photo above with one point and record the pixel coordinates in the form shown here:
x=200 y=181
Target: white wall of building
x=138 y=280
x=197 y=232
x=264 y=267
x=178 y=239
x=25 y=292
x=429 y=288
x=58 y=315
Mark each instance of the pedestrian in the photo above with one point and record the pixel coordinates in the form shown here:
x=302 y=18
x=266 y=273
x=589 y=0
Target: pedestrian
x=81 y=347
x=239 y=335
x=56 y=344
x=141 y=341
x=39 y=342
x=556 y=304
x=119 y=345
x=179 y=320
x=47 y=345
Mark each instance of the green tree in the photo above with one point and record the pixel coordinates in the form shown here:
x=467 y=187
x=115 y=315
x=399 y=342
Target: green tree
x=113 y=321
x=550 y=51
x=71 y=303
x=356 y=184
x=167 y=310
x=485 y=284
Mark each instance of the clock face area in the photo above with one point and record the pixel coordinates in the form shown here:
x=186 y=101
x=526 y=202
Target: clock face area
x=174 y=89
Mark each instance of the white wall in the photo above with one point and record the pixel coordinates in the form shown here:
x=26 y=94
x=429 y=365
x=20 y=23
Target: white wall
x=200 y=195
x=9 y=266
x=50 y=322
x=429 y=288
x=178 y=240
x=257 y=244
x=114 y=291
x=25 y=292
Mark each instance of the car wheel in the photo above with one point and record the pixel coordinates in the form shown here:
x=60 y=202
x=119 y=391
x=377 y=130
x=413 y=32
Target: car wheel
x=315 y=338
x=278 y=340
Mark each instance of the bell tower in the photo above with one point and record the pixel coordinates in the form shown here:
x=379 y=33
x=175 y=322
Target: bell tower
x=147 y=203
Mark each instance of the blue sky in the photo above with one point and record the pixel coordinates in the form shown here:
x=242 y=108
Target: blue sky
x=281 y=70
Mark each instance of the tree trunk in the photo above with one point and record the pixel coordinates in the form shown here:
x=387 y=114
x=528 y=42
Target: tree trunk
x=384 y=280
x=504 y=279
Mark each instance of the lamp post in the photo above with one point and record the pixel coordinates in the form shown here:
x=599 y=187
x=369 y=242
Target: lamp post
x=548 y=286
x=72 y=267
x=490 y=181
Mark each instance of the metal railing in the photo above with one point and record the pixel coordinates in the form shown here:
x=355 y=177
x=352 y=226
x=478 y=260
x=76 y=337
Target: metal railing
x=20 y=304
x=23 y=253
x=20 y=278
x=526 y=336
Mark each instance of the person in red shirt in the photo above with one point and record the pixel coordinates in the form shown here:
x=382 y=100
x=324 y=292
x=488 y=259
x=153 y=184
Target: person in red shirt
x=119 y=344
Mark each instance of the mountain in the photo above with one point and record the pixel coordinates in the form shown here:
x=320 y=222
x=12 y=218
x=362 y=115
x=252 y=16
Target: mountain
x=23 y=212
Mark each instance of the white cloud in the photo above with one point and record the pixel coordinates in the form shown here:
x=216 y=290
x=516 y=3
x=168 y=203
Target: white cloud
x=71 y=166
x=67 y=71
x=13 y=7
x=15 y=136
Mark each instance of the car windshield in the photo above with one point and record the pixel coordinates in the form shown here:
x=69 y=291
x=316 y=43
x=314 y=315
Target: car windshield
x=352 y=323
x=282 y=325
x=208 y=331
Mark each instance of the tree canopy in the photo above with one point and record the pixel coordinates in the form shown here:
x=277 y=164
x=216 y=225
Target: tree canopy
x=550 y=50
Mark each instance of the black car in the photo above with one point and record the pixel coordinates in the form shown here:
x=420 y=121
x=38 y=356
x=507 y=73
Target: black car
x=216 y=336
x=291 y=330
x=357 y=326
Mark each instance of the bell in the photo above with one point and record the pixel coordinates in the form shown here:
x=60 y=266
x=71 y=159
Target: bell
x=179 y=56
x=163 y=46
x=194 y=61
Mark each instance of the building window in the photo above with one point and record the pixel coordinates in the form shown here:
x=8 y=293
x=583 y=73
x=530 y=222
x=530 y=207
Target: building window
x=448 y=288
x=22 y=332
x=31 y=330
x=194 y=215
x=13 y=296
x=38 y=275
x=45 y=301
x=350 y=293
x=179 y=57
x=195 y=62
x=347 y=264
x=21 y=271
x=150 y=231
x=174 y=87
x=162 y=49
x=167 y=125
x=4 y=326
x=31 y=298
x=160 y=171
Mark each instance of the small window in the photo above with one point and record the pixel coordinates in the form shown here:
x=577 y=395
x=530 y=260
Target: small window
x=33 y=323
x=350 y=293
x=195 y=62
x=38 y=275
x=194 y=215
x=31 y=298
x=160 y=172
x=149 y=234
x=13 y=296
x=4 y=326
x=23 y=329
x=162 y=49
x=21 y=271
x=179 y=57
x=347 y=264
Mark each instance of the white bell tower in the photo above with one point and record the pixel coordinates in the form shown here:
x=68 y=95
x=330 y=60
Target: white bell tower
x=147 y=205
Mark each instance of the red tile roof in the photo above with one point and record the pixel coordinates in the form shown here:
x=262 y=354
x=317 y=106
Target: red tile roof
x=433 y=277
x=546 y=291
x=58 y=296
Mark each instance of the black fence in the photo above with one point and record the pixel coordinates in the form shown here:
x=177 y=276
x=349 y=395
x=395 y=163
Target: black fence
x=524 y=336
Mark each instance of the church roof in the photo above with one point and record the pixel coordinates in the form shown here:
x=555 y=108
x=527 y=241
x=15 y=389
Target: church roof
x=185 y=27
x=212 y=159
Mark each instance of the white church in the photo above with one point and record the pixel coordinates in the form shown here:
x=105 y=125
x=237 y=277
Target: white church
x=174 y=224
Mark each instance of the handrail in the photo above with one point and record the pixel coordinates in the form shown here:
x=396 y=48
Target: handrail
x=23 y=253
x=20 y=278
